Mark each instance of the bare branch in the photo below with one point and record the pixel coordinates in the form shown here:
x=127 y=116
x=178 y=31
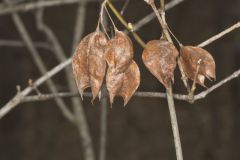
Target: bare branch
x=20 y=95
x=145 y=20
x=103 y=125
x=18 y=43
x=79 y=116
x=79 y=25
x=181 y=97
x=83 y=130
x=37 y=59
x=38 y=4
x=219 y=35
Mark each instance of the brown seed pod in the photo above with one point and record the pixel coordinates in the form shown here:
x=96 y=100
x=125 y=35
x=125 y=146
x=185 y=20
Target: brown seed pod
x=159 y=56
x=190 y=57
x=89 y=63
x=119 y=52
x=123 y=84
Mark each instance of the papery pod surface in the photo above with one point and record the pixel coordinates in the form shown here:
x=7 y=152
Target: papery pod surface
x=119 y=52
x=89 y=64
x=193 y=58
x=159 y=56
x=123 y=84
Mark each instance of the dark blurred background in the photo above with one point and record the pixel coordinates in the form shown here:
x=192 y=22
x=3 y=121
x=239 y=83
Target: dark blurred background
x=209 y=128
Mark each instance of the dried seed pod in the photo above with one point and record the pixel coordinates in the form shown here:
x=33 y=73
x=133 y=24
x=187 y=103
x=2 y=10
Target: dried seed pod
x=123 y=84
x=159 y=56
x=189 y=59
x=89 y=63
x=97 y=62
x=119 y=52
x=80 y=64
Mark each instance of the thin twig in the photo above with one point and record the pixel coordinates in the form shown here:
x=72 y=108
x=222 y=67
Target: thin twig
x=39 y=63
x=80 y=123
x=38 y=4
x=79 y=24
x=181 y=97
x=124 y=7
x=18 y=43
x=219 y=35
x=103 y=125
x=145 y=20
x=83 y=130
x=174 y=124
x=20 y=95
x=119 y=16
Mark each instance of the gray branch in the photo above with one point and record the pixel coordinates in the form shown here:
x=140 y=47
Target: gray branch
x=36 y=5
x=19 y=43
x=39 y=63
x=180 y=97
x=79 y=116
x=145 y=20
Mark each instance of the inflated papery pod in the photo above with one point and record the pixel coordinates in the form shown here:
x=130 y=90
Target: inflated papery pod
x=123 y=76
x=159 y=56
x=119 y=52
x=89 y=63
x=123 y=84
x=195 y=59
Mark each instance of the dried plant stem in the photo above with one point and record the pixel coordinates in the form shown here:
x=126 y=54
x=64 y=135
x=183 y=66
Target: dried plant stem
x=171 y=106
x=103 y=126
x=193 y=88
x=104 y=106
x=83 y=130
x=119 y=16
x=174 y=124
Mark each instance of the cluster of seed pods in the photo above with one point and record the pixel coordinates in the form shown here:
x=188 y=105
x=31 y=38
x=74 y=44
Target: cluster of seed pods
x=98 y=58
x=160 y=57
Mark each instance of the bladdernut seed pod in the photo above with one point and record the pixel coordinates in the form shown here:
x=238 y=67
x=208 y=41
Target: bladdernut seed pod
x=123 y=75
x=190 y=57
x=119 y=52
x=89 y=63
x=123 y=84
x=159 y=56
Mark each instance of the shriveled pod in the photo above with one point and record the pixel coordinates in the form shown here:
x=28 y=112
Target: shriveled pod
x=195 y=59
x=159 y=56
x=119 y=52
x=123 y=84
x=89 y=63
